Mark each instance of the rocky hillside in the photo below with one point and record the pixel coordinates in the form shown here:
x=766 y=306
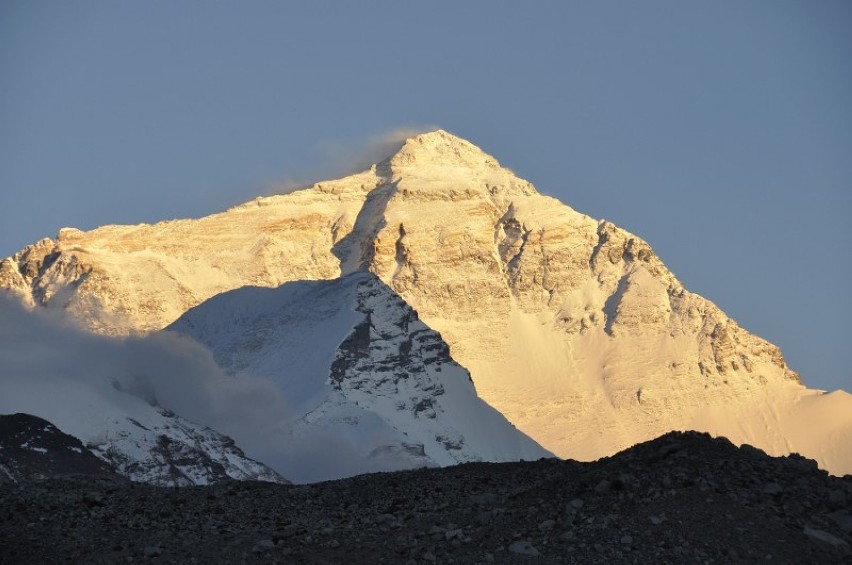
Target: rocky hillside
x=682 y=498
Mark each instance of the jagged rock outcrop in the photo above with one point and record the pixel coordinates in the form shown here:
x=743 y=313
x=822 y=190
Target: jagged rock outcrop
x=572 y=327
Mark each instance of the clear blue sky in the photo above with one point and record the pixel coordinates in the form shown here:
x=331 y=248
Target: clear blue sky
x=721 y=132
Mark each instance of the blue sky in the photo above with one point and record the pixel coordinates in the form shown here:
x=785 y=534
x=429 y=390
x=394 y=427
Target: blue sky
x=721 y=132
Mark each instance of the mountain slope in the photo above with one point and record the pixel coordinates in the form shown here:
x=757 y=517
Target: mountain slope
x=585 y=340
x=354 y=361
x=142 y=442
x=571 y=327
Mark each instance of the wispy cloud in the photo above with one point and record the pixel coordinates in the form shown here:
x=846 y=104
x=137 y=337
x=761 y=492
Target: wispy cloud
x=341 y=159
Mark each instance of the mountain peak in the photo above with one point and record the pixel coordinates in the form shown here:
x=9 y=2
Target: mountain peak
x=441 y=148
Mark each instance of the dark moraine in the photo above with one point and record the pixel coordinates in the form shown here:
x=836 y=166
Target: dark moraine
x=682 y=498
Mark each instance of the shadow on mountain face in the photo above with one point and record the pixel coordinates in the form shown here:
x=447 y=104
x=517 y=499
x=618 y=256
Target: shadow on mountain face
x=610 y=308
x=351 y=250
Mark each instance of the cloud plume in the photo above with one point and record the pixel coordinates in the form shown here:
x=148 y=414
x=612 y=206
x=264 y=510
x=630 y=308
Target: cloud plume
x=341 y=159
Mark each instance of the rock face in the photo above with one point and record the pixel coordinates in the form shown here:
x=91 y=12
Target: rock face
x=33 y=448
x=571 y=327
x=682 y=498
x=354 y=361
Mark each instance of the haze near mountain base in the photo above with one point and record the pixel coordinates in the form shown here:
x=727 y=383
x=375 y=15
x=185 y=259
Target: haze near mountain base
x=571 y=327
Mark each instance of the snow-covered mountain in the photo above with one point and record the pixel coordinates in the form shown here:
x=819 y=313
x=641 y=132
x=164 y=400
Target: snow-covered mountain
x=571 y=327
x=103 y=392
x=142 y=442
x=354 y=361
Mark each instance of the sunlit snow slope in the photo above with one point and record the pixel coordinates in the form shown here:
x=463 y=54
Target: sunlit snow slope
x=572 y=327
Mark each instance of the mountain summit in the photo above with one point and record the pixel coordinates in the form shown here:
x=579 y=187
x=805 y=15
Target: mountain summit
x=441 y=149
x=572 y=327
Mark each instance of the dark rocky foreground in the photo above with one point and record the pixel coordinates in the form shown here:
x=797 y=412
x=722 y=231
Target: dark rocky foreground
x=682 y=498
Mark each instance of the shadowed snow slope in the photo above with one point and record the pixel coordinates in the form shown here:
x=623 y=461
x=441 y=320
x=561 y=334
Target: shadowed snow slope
x=571 y=327
x=355 y=362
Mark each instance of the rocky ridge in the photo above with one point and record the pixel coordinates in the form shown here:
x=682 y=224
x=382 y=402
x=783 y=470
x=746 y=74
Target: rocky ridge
x=681 y=498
